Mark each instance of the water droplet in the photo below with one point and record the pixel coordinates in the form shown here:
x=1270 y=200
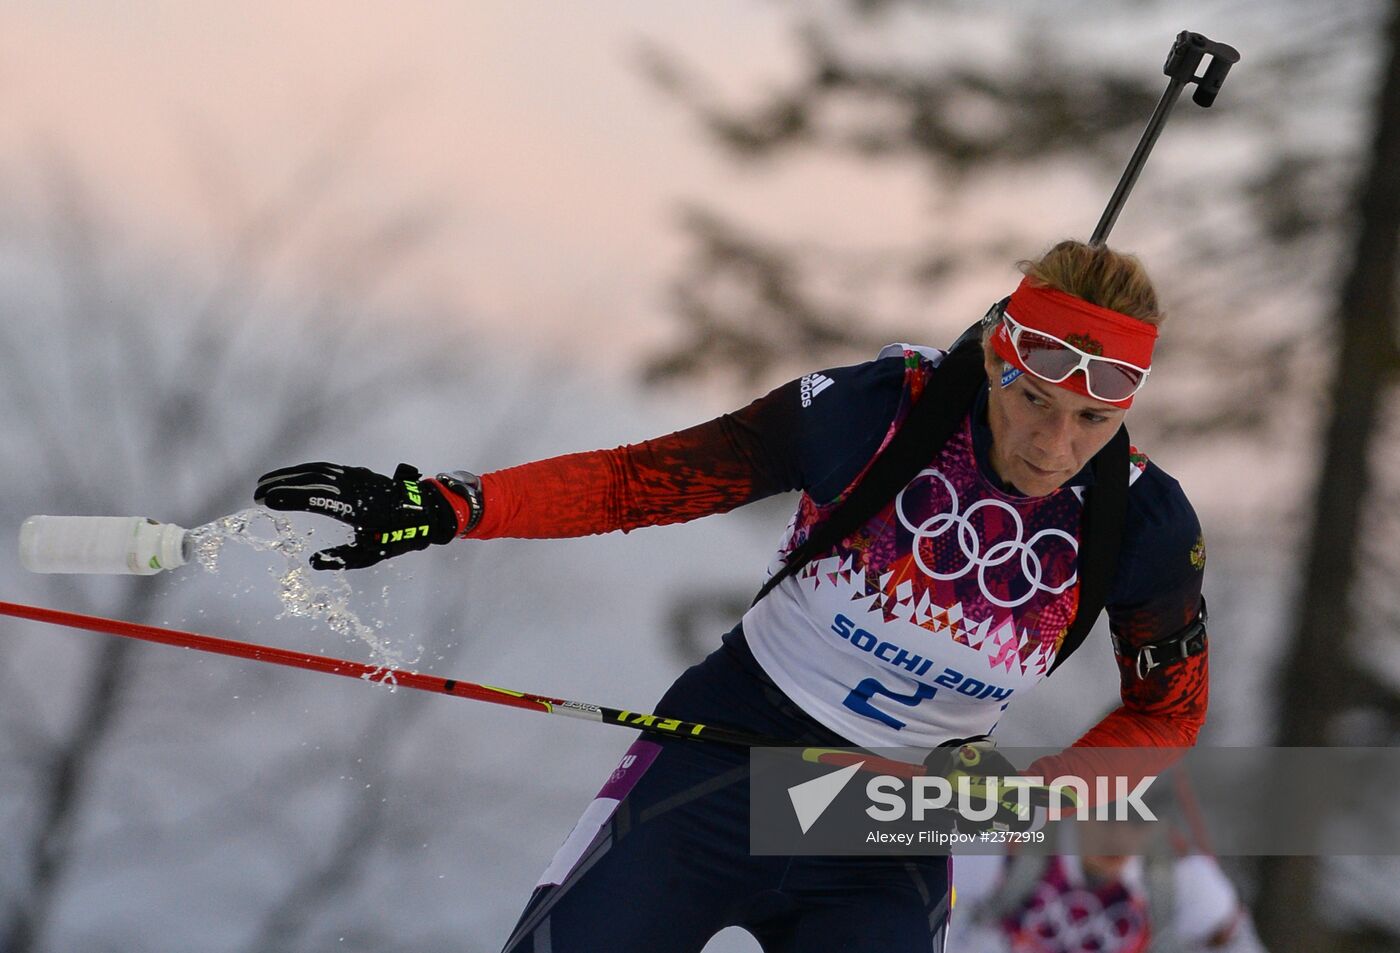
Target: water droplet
x=326 y=597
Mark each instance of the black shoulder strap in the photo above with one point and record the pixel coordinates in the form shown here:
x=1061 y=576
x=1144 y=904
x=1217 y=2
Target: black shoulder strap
x=931 y=422
x=1100 y=540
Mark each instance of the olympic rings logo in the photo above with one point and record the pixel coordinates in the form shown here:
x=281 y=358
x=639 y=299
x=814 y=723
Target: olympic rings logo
x=970 y=543
x=1076 y=920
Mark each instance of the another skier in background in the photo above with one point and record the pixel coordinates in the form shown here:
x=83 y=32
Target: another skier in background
x=969 y=571
x=1117 y=891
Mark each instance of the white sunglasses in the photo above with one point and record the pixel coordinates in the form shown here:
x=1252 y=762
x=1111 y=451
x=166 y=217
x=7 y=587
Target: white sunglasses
x=1054 y=360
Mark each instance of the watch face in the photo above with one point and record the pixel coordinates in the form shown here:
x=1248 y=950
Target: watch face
x=462 y=478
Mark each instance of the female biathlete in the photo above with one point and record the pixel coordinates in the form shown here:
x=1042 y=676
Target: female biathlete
x=917 y=627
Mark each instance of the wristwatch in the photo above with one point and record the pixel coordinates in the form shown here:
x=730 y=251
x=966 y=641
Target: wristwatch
x=467 y=486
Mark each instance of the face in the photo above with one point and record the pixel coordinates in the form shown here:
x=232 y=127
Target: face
x=1043 y=434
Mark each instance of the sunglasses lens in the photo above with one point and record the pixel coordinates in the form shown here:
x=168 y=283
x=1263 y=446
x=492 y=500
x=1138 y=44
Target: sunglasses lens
x=1049 y=359
x=1045 y=357
x=1113 y=381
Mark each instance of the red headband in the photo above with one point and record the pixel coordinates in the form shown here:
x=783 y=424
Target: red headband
x=1086 y=326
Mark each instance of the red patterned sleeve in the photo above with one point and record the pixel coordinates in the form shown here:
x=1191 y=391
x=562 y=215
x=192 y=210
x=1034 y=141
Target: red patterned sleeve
x=1166 y=710
x=710 y=468
x=1163 y=712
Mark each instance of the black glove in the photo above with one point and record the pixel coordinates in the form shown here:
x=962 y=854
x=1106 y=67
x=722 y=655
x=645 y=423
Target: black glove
x=390 y=515
x=978 y=759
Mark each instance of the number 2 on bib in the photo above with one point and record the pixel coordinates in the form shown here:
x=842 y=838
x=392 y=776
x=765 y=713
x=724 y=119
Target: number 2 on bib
x=860 y=697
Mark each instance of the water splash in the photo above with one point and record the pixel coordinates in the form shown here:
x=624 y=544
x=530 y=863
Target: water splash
x=326 y=596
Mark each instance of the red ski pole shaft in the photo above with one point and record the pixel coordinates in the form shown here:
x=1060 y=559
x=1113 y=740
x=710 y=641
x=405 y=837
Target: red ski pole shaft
x=271 y=655
x=642 y=721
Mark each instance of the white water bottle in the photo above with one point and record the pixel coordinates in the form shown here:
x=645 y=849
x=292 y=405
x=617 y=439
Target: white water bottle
x=131 y=545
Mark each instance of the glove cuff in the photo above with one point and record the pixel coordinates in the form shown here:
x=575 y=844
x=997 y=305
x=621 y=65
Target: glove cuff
x=463 y=495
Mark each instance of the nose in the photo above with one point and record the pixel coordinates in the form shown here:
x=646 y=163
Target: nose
x=1054 y=442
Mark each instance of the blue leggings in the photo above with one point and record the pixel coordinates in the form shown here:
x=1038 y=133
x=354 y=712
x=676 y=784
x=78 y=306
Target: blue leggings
x=660 y=862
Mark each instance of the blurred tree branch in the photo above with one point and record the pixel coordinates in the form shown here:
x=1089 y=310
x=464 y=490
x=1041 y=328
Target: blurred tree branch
x=111 y=388
x=751 y=307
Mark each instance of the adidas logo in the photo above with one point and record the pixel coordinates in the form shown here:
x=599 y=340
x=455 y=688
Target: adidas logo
x=334 y=506
x=812 y=385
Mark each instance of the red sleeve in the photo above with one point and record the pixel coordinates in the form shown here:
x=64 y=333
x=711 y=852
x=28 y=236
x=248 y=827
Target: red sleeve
x=786 y=440
x=706 y=469
x=1164 y=711
x=1156 y=594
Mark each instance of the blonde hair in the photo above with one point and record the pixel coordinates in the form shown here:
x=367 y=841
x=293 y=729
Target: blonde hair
x=1100 y=276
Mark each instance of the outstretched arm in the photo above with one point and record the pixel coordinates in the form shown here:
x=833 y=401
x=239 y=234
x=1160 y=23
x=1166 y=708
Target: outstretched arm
x=786 y=440
x=812 y=434
x=710 y=468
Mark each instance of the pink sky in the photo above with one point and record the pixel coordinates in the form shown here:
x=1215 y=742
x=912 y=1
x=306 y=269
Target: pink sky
x=561 y=165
